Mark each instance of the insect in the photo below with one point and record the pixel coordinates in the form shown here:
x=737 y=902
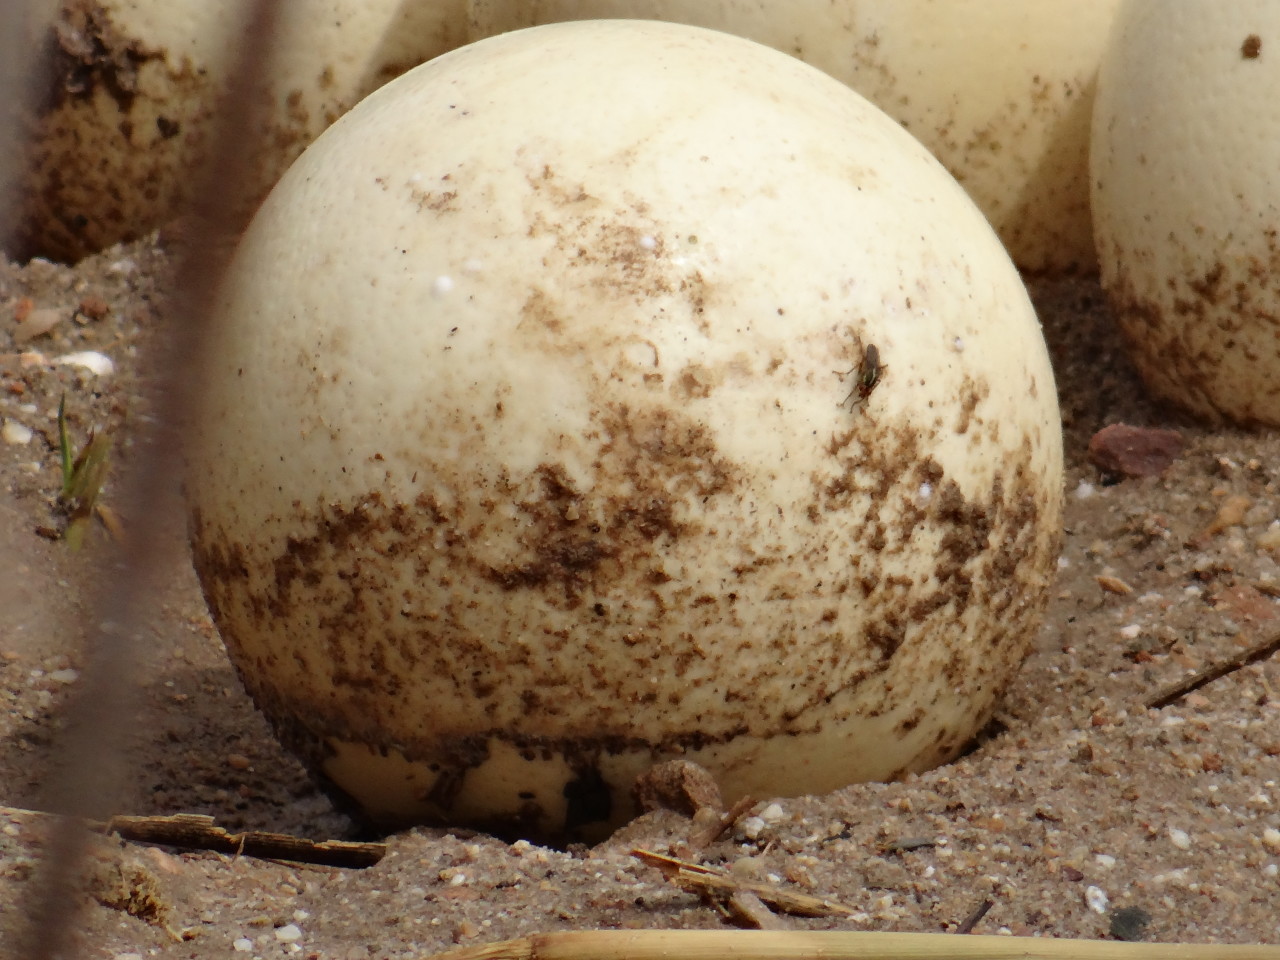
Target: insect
x=867 y=377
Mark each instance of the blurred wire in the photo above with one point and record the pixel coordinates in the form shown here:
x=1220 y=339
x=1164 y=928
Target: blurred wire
x=87 y=762
x=23 y=77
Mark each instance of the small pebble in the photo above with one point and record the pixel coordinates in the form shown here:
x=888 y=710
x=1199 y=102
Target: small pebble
x=772 y=813
x=242 y=945
x=1113 y=585
x=751 y=827
x=1180 y=838
x=1129 y=923
x=16 y=433
x=1133 y=451
x=36 y=323
x=1271 y=839
x=288 y=933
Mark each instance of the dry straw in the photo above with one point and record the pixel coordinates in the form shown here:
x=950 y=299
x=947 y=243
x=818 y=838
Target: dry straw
x=826 y=945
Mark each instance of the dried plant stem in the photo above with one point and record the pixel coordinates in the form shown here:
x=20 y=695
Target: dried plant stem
x=827 y=945
x=1216 y=671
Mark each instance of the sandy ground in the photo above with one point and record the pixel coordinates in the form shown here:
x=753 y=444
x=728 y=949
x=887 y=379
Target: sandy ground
x=1081 y=814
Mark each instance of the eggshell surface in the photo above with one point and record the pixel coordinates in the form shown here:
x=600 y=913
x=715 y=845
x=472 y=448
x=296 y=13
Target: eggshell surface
x=542 y=442
x=999 y=90
x=1186 y=190
x=134 y=87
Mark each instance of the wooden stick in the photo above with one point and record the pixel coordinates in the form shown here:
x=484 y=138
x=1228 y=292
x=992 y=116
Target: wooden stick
x=971 y=921
x=197 y=832
x=721 y=885
x=1216 y=671
x=705 y=836
x=837 y=945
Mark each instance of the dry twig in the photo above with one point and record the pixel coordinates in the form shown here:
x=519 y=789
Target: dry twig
x=1201 y=678
x=721 y=885
x=196 y=832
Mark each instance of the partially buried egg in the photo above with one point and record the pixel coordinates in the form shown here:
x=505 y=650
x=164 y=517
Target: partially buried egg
x=1186 y=190
x=999 y=90
x=610 y=392
x=133 y=88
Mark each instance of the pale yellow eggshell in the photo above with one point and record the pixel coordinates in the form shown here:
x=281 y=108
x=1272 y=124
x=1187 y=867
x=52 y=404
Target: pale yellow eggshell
x=135 y=85
x=999 y=90
x=530 y=458
x=1186 y=188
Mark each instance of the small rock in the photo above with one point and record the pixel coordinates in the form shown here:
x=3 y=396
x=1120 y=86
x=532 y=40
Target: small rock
x=93 y=308
x=1113 y=585
x=1129 y=923
x=16 y=433
x=1271 y=839
x=36 y=323
x=1134 y=451
x=289 y=933
x=1230 y=514
x=678 y=785
x=242 y=945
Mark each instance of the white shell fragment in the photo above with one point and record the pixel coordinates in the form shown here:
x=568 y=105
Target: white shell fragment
x=640 y=488
x=96 y=363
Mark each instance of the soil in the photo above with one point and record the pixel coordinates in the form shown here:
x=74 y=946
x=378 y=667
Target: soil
x=1080 y=812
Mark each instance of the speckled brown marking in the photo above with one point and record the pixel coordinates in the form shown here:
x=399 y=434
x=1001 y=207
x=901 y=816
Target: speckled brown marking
x=603 y=242
x=353 y=530
x=89 y=182
x=87 y=53
x=1251 y=48
x=695 y=382
x=1215 y=313
x=971 y=395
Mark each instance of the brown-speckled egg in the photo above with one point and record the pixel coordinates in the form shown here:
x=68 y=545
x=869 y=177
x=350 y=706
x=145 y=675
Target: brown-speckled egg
x=611 y=392
x=133 y=86
x=1186 y=193
x=999 y=90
